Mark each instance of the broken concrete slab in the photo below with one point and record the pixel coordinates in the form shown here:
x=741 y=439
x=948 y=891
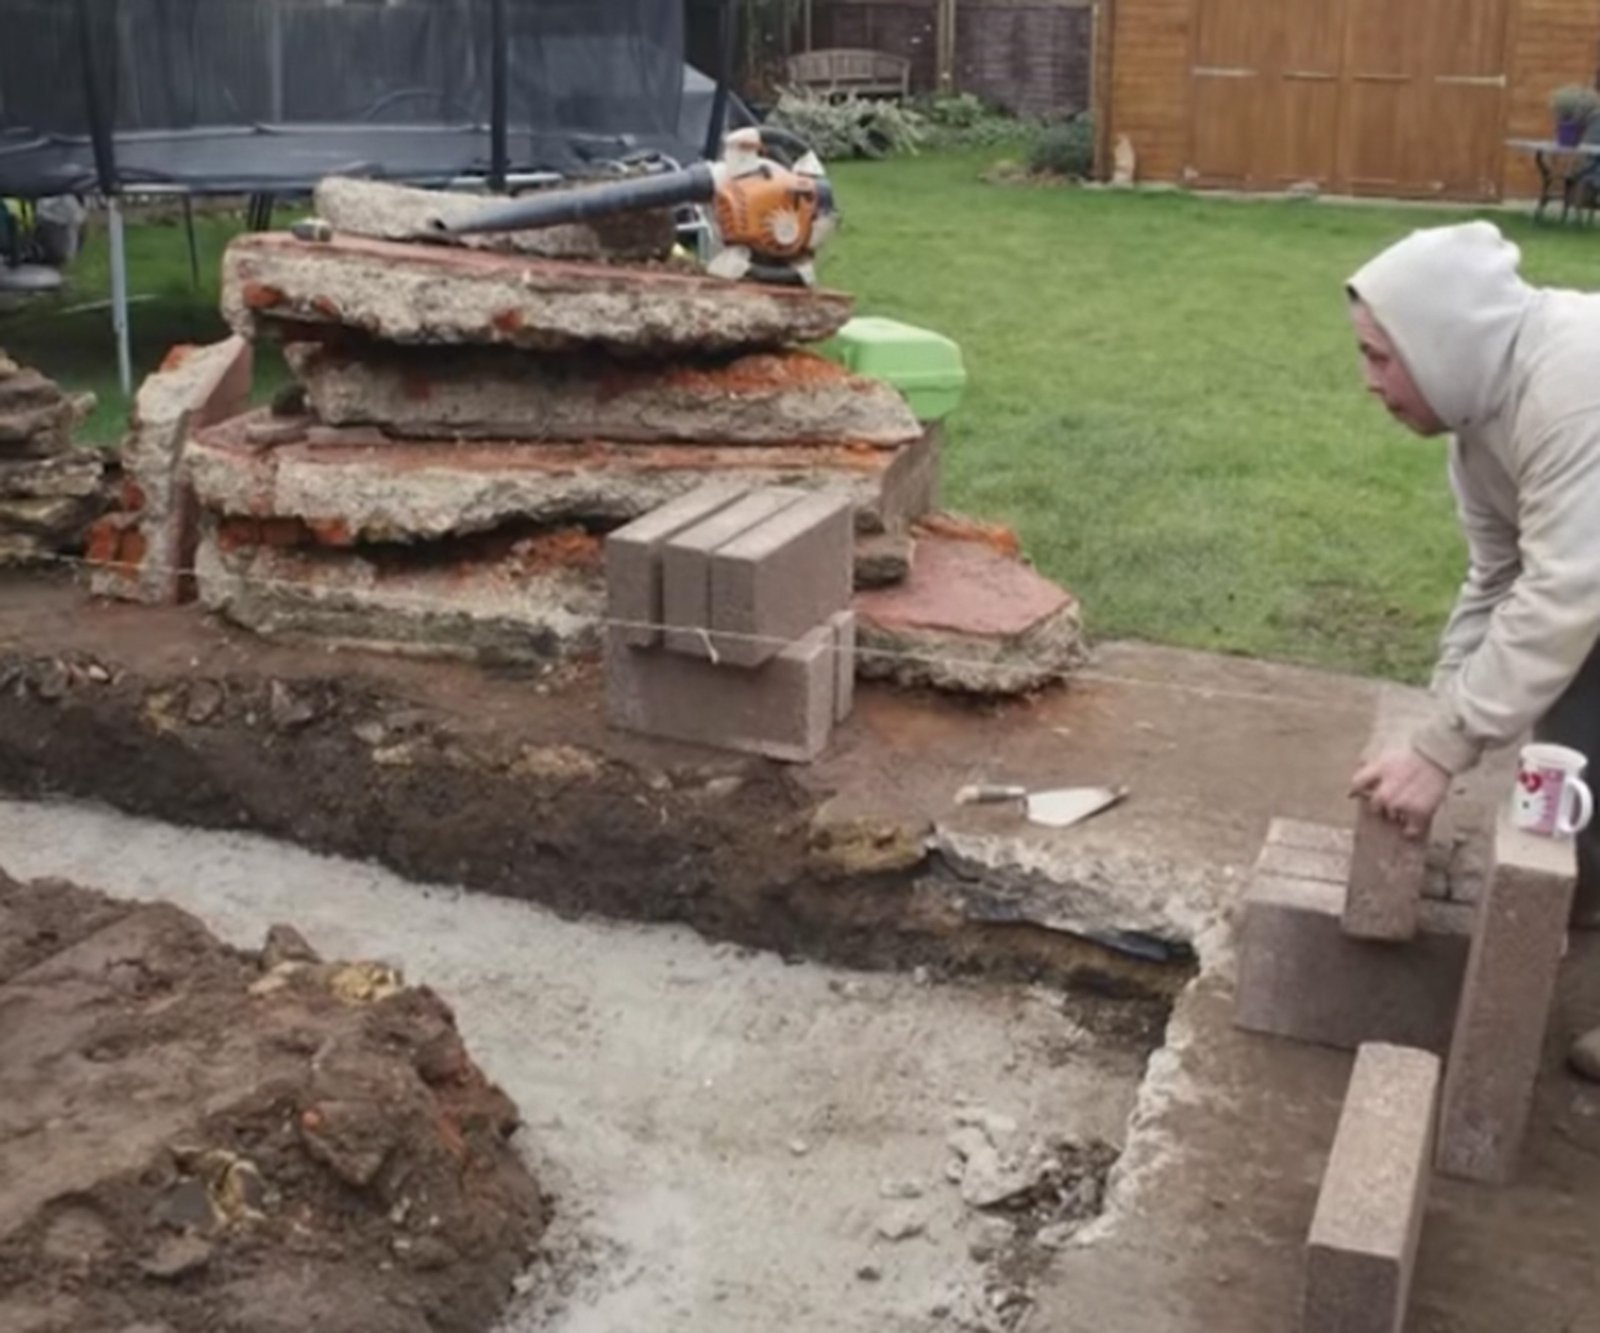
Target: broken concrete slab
x=395 y=491
x=1519 y=938
x=970 y=620
x=784 y=709
x=518 y=602
x=194 y=387
x=54 y=518
x=1302 y=977
x=781 y=578
x=435 y=294
x=782 y=398
x=386 y=211
x=1363 y=1242
x=77 y=475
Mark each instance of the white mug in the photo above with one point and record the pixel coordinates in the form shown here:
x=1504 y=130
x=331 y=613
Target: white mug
x=1551 y=798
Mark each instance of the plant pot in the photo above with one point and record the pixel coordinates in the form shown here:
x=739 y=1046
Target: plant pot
x=1569 y=133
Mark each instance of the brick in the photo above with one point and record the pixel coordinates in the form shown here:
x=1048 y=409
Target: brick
x=686 y=564
x=781 y=578
x=1388 y=870
x=1300 y=976
x=1368 y=1221
x=1519 y=937
x=274 y=284
x=783 y=710
x=844 y=678
x=633 y=559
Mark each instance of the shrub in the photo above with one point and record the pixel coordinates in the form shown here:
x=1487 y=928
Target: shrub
x=1065 y=149
x=1574 y=102
x=963 y=120
x=850 y=127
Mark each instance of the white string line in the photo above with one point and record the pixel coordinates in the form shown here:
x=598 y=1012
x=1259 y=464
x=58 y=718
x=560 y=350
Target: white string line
x=709 y=638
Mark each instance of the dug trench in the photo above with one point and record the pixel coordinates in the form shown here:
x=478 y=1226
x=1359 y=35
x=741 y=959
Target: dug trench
x=509 y=784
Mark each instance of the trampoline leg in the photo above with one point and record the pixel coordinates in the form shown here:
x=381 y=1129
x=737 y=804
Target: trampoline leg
x=194 y=247
x=119 y=295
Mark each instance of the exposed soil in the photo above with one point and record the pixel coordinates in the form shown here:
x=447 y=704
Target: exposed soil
x=197 y=1138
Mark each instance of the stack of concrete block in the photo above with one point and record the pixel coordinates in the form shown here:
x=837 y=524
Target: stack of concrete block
x=473 y=419
x=729 y=621
x=49 y=490
x=1341 y=945
x=1362 y=1246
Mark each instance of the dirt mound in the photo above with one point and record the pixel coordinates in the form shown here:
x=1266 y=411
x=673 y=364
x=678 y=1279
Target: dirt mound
x=193 y=1137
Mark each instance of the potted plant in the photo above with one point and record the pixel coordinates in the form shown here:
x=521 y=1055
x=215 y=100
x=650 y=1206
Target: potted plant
x=1574 y=107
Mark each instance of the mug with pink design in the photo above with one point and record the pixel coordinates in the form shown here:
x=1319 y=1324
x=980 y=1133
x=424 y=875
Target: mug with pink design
x=1552 y=799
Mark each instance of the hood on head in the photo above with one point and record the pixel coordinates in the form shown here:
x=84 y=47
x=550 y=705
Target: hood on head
x=1452 y=301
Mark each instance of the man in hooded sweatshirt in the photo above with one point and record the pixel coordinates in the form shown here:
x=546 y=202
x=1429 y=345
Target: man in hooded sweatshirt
x=1455 y=342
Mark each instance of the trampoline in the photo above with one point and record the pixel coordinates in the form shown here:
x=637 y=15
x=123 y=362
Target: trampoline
x=117 y=98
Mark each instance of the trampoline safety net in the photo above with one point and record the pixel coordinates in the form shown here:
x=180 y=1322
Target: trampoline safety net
x=272 y=95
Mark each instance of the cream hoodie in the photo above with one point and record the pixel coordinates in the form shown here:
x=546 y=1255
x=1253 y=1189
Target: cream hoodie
x=1514 y=372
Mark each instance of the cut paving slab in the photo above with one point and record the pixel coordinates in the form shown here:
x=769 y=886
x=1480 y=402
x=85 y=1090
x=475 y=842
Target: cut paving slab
x=1364 y=1234
x=781 y=398
x=969 y=619
x=1519 y=939
x=402 y=213
x=379 y=489
x=528 y=601
x=435 y=294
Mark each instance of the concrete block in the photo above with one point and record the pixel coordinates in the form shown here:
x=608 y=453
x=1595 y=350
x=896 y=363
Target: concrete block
x=1388 y=870
x=844 y=675
x=1328 y=867
x=1306 y=836
x=1301 y=976
x=273 y=284
x=789 y=397
x=1519 y=937
x=783 y=710
x=1364 y=1234
x=633 y=559
x=686 y=565
x=781 y=578
x=379 y=488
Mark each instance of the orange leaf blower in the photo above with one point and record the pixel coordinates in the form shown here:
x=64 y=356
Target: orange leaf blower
x=767 y=220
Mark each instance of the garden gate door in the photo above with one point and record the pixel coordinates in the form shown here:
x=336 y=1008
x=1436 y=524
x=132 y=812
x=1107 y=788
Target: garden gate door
x=1391 y=97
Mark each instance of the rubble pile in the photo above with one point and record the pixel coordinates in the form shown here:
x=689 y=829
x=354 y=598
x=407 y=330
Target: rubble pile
x=471 y=420
x=49 y=489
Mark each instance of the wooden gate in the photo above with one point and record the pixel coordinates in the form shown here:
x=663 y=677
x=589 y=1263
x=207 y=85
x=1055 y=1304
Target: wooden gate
x=1392 y=97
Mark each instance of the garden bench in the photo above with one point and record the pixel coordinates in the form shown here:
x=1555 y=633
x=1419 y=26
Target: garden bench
x=843 y=70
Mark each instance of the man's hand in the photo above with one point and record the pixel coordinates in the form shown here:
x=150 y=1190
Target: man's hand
x=1404 y=787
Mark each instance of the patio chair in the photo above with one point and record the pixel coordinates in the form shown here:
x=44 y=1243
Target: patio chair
x=1582 y=184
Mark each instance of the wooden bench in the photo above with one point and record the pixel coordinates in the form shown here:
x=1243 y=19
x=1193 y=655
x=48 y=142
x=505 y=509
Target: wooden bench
x=838 y=71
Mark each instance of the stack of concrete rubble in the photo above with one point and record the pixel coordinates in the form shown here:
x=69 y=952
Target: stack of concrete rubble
x=49 y=490
x=476 y=418
x=1343 y=942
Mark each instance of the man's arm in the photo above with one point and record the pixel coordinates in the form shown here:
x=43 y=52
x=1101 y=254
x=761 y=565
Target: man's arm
x=1543 y=628
x=1493 y=563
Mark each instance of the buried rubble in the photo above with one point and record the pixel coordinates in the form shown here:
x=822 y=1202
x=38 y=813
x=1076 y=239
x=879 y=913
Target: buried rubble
x=50 y=490
x=262 y=1142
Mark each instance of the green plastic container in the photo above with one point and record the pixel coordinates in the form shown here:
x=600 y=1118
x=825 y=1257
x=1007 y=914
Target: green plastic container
x=924 y=366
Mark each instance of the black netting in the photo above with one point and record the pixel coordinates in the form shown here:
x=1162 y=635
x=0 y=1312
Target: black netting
x=263 y=94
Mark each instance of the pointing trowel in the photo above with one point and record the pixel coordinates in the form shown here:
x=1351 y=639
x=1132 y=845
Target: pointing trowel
x=1056 y=809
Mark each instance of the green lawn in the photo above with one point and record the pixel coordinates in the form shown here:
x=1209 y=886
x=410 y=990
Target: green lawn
x=1163 y=399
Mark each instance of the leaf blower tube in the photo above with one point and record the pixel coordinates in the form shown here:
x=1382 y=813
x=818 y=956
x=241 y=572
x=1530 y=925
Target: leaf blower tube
x=693 y=185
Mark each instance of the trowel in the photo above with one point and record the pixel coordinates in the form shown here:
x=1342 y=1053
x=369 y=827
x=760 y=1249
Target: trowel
x=1061 y=808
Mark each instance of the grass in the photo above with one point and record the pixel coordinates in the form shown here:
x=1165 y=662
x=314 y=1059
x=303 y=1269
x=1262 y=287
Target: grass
x=1163 y=395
